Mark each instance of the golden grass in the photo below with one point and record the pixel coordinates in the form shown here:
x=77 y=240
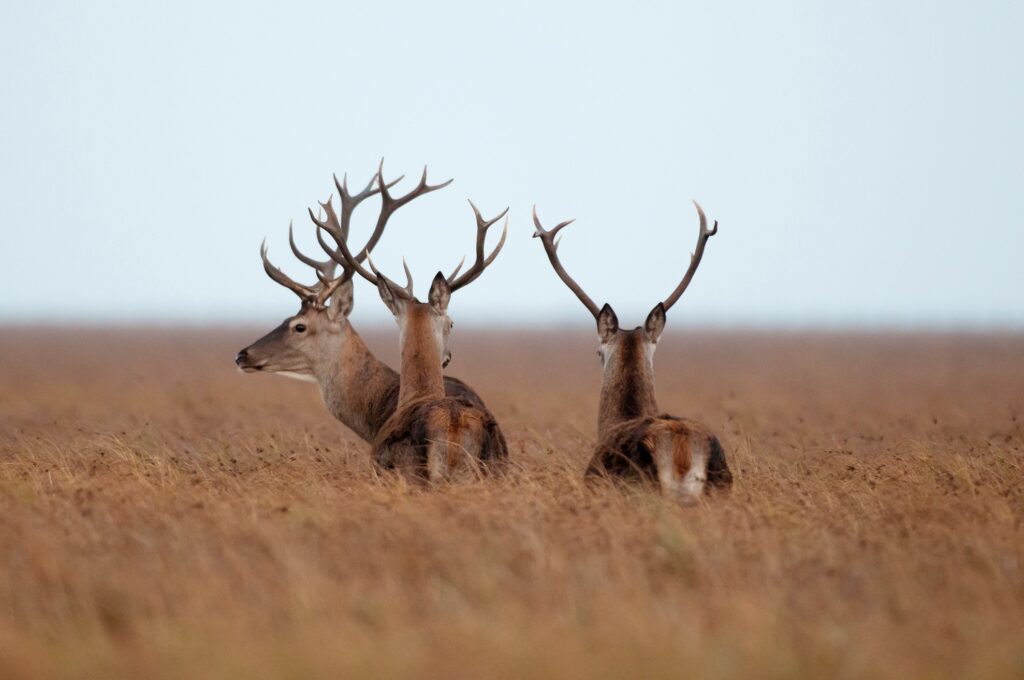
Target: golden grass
x=164 y=516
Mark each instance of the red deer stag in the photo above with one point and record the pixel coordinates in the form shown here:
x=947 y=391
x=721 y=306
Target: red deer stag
x=319 y=344
x=634 y=438
x=432 y=434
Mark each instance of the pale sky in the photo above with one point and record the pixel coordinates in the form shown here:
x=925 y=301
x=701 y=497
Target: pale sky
x=865 y=160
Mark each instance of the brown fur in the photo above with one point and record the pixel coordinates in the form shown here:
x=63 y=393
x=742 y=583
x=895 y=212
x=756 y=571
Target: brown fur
x=421 y=372
x=630 y=429
x=628 y=389
x=430 y=433
x=358 y=389
x=405 y=439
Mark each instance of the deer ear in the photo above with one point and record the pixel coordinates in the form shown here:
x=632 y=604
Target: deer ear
x=440 y=294
x=607 y=323
x=341 y=301
x=655 y=323
x=388 y=296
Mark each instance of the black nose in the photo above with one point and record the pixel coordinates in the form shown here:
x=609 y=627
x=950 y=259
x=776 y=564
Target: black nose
x=241 y=357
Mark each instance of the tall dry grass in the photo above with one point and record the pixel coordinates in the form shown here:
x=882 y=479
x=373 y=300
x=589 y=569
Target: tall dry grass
x=164 y=516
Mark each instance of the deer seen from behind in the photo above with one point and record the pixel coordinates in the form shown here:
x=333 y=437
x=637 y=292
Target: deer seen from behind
x=318 y=343
x=636 y=440
x=432 y=435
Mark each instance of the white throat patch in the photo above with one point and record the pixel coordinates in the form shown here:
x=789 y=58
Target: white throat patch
x=297 y=376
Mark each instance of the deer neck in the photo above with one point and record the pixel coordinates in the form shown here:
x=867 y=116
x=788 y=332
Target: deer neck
x=627 y=390
x=421 y=372
x=353 y=383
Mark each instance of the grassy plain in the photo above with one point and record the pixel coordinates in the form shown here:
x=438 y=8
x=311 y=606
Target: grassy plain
x=162 y=515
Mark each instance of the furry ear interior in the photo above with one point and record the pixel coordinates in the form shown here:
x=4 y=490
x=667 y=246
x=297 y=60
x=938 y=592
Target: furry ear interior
x=388 y=296
x=440 y=294
x=655 y=323
x=341 y=301
x=607 y=323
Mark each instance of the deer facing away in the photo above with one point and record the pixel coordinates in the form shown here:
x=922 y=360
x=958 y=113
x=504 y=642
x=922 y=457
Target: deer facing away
x=431 y=433
x=319 y=344
x=634 y=438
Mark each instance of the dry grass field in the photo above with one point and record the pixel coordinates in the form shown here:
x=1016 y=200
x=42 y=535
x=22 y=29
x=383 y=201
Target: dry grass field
x=162 y=515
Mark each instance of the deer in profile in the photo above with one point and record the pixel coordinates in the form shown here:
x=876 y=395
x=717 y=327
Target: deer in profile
x=318 y=343
x=432 y=434
x=635 y=439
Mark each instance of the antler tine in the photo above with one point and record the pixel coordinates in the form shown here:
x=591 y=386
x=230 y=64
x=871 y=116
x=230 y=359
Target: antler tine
x=695 y=257
x=349 y=202
x=391 y=204
x=368 y=191
x=324 y=270
x=304 y=292
x=347 y=199
x=351 y=264
x=480 y=263
x=333 y=227
x=497 y=248
x=457 y=269
x=401 y=291
x=330 y=223
x=338 y=228
x=355 y=266
x=547 y=237
x=347 y=271
x=408 y=277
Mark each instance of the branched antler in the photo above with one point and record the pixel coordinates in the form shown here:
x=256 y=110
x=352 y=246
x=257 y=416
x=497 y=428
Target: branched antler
x=547 y=237
x=316 y=295
x=324 y=269
x=338 y=228
x=319 y=293
x=480 y=263
x=455 y=282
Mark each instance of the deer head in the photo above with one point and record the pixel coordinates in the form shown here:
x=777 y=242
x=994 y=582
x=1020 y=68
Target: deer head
x=626 y=355
x=317 y=334
x=307 y=338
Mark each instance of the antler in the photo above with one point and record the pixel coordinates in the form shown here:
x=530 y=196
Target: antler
x=481 y=263
x=408 y=274
x=547 y=237
x=320 y=292
x=314 y=295
x=338 y=229
x=695 y=257
x=280 y=277
x=324 y=270
x=455 y=282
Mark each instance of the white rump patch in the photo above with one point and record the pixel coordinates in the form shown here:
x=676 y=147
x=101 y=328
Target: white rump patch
x=688 y=489
x=693 y=483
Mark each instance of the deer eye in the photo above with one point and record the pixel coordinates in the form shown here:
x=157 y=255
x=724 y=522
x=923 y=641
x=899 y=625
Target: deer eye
x=299 y=328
